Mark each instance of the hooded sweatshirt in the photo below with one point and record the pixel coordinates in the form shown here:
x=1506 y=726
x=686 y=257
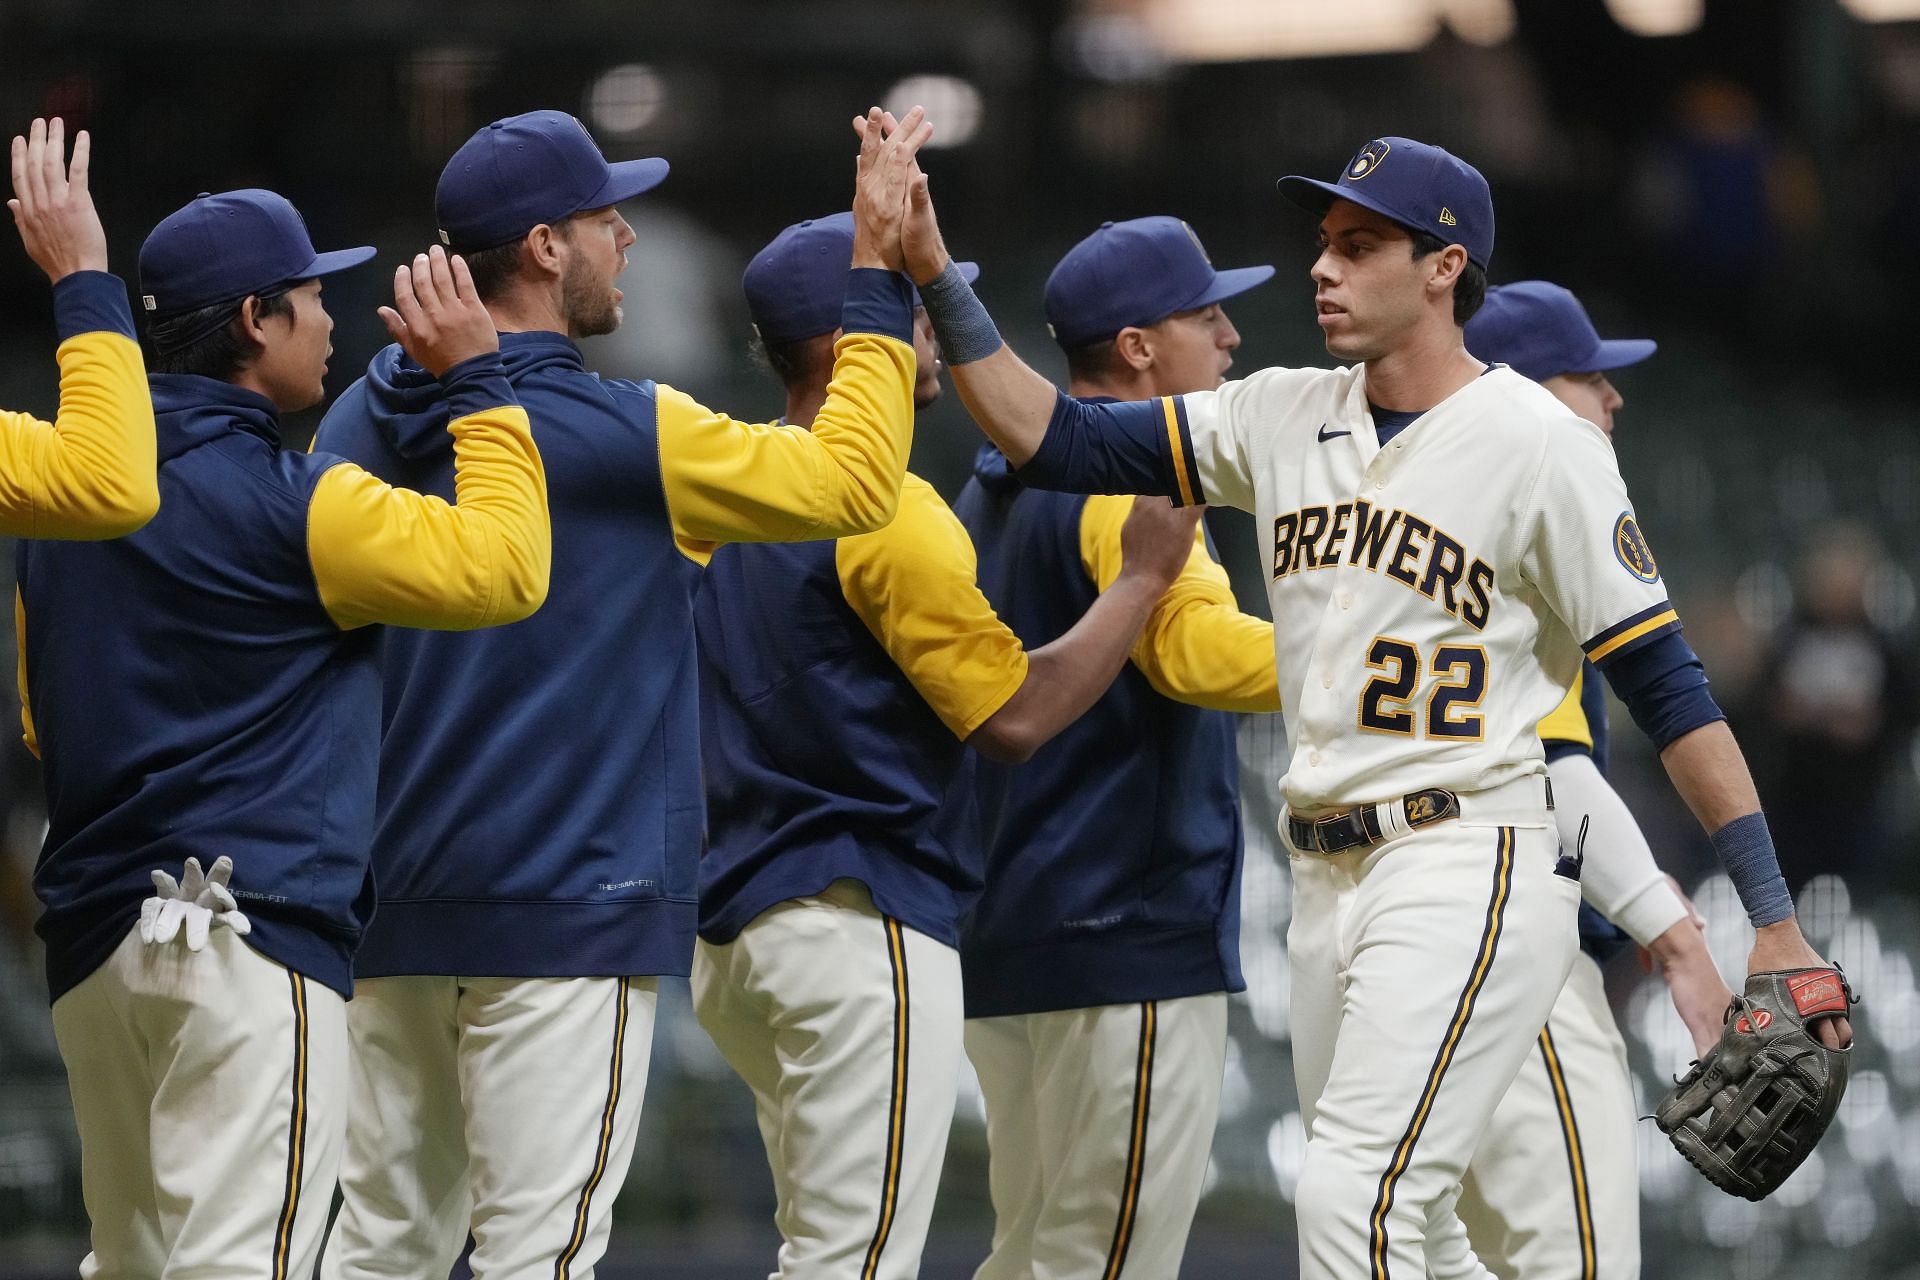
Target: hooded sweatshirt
x=1113 y=855
x=540 y=806
x=196 y=689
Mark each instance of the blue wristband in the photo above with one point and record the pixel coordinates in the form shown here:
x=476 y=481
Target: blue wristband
x=965 y=330
x=1745 y=847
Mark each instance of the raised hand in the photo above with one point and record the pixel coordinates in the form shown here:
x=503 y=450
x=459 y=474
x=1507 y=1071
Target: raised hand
x=920 y=241
x=881 y=178
x=437 y=316
x=1156 y=540
x=51 y=204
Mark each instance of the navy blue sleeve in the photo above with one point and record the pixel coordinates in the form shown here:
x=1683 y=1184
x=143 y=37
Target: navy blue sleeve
x=1665 y=688
x=1105 y=447
x=91 y=302
x=878 y=302
x=477 y=384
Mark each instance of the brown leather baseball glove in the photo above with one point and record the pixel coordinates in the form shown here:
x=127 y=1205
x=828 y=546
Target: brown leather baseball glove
x=1753 y=1107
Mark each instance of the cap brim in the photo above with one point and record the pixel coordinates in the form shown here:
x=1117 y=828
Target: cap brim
x=1228 y=283
x=628 y=179
x=1618 y=353
x=1312 y=194
x=325 y=264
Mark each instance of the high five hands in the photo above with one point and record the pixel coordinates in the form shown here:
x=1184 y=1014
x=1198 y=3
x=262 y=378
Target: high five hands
x=899 y=209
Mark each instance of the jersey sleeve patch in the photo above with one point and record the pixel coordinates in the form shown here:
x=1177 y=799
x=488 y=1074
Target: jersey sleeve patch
x=1633 y=632
x=1631 y=550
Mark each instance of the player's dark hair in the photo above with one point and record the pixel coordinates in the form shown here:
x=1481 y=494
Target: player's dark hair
x=1469 y=291
x=1092 y=361
x=220 y=354
x=493 y=269
x=791 y=362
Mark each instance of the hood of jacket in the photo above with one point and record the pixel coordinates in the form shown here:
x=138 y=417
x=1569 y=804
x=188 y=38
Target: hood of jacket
x=408 y=405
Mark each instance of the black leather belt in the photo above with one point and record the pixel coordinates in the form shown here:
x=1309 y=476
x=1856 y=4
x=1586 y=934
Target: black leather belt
x=1360 y=826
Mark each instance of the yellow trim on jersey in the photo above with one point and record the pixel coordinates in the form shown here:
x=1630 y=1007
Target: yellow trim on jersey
x=89 y=473
x=1657 y=621
x=1197 y=647
x=28 y=734
x=1462 y=1014
x=897 y=1102
x=1568 y=721
x=1179 y=454
x=1576 y=1159
x=296 y=1131
x=729 y=481
x=383 y=554
x=914 y=584
x=1136 y=1144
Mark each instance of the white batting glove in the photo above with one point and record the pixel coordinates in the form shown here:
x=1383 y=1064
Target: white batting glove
x=199 y=901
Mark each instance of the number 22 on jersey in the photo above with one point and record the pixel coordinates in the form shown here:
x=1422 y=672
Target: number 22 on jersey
x=1458 y=685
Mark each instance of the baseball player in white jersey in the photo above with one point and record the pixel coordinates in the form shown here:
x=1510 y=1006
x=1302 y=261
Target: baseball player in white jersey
x=1437 y=572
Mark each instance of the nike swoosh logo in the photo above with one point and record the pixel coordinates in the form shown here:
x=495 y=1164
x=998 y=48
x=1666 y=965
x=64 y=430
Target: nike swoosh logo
x=1326 y=435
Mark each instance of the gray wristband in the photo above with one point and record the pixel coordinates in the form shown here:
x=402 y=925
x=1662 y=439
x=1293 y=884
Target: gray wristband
x=960 y=322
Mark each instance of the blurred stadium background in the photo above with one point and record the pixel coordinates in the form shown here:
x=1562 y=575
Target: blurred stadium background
x=1739 y=179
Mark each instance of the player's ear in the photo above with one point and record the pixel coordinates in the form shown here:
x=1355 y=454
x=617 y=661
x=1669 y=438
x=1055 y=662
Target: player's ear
x=253 y=329
x=1134 y=348
x=1445 y=267
x=544 y=250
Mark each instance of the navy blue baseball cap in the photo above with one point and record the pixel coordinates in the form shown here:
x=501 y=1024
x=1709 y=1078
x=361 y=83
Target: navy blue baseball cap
x=221 y=248
x=1541 y=330
x=797 y=285
x=1418 y=185
x=517 y=173
x=1136 y=273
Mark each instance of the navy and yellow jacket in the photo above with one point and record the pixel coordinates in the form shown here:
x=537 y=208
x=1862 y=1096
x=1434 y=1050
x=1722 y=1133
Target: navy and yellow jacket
x=1113 y=855
x=90 y=472
x=200 y=687
x=540 y=810
x=839 y=683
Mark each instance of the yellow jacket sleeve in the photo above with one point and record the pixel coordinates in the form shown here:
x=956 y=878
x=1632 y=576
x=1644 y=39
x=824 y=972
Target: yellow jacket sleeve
x=729 y=481
x=1197 y=647
x=382 y=554
x=913 y=584
x=27 y=733
x=1568 y=721
x=90 y=472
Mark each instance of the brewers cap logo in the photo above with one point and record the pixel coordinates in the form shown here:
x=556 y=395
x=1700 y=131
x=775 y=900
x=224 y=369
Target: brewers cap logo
x=1366 y=160
x=1195 y=237
x=1630 y=546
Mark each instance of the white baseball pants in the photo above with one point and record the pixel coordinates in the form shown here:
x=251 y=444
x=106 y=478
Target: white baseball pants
x=501 y=1107
x=1553 y=1192
x=846 y=1026
x=1422 y=972
x=1099 y=1124
x=210 y=1091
